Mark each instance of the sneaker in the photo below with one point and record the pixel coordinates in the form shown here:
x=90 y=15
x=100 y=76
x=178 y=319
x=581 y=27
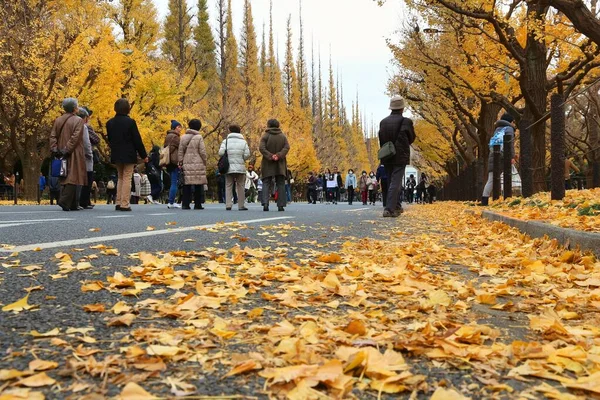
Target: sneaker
x=150 y=199
x=174 y=205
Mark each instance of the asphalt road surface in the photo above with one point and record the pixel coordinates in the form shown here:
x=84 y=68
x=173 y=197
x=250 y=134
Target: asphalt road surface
x=39 y=229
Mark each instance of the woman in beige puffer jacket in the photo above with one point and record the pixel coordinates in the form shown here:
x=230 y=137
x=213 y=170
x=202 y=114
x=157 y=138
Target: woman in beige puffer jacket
x=192 y=159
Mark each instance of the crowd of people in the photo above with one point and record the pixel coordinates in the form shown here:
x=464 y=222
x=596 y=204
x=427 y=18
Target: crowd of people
x=180 y=165
x=179 y=168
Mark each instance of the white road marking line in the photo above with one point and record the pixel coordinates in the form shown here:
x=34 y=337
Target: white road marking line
x=115 y=216
x=37 y=220
x=30 y=212
x=21 y=224
x=162 y=214
x=79 y=242
x=359 y=209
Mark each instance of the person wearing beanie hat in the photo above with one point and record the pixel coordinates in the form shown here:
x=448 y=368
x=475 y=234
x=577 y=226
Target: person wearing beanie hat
x=175 y=124
x=504 y=126
x=172 y=141
x=399 y=131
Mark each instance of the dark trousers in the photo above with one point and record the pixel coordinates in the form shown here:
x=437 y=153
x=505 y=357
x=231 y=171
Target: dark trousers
x=221 y=189
x=187 y=196
x=281 y=195
x=68 y=197
x=84 y=198
x=111 y=194
x=331 y=195
x=54 y=195
x=155 y=190
x=350 y=194
x=312 y=195
x=395 y=174
x=384 y=191
x=372 y=196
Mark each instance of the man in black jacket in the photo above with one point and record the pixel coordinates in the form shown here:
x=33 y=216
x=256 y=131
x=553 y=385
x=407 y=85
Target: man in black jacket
x=400 y=131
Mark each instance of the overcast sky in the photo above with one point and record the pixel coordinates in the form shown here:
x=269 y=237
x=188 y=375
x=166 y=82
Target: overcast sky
x=355 y=30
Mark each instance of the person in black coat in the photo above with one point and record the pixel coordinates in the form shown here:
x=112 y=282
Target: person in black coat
x=125 y=144
x=154 y=172
x=400 y=131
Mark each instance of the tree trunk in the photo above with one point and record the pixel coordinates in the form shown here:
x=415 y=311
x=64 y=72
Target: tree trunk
x=533 y=82
x=593 y=124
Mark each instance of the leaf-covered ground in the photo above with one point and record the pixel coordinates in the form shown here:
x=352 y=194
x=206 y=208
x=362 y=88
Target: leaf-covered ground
x=438 y=304
x=580 y=209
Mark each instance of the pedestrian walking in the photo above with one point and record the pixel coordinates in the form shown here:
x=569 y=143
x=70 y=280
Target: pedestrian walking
x=372 y=188
x=172 y=141
x=85 y=200
x=66 y=141
x=145 y=188
x=111 y=190
x=411 y=185
x=350 y=185
x=399 y=131
x=154 y=172
x=238 y=152
x=274 y=148
x=192 y=160
x=363 y=187
x=312 y=188
x=569 y=166
x=42 y=184
x=383 y=183
x=422 y=189
x=331 y=184
x=251 y=181
x=126 y=145
x=289 y=181
x=136 y=186
x=504 y=126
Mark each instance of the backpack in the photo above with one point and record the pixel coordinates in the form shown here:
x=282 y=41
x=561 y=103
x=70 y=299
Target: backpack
x=165 y=157
x=498 y=138
x=223 y=164
x=110 y=185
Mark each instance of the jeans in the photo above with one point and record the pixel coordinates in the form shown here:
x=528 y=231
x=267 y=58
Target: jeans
x=288 y=192
x=174 y=185
x=395 y=175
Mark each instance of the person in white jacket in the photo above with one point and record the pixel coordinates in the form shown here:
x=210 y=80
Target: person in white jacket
x=251 y=181
x=238 y=152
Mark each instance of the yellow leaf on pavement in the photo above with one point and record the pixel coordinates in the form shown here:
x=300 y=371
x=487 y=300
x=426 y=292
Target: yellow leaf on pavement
x=41 y=365
x=244 y=367
x=133 y=391
x=37 y=380
x=447 y=394
x=6 y=374
x=19 y=305
x=53 y=332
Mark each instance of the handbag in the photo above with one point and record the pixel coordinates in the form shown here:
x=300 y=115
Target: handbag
x=388 y=149
x=58 y=165
x=223 y=164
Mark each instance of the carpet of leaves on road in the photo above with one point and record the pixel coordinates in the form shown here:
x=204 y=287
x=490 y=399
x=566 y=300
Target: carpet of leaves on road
x=580 y=209
x=297 y=321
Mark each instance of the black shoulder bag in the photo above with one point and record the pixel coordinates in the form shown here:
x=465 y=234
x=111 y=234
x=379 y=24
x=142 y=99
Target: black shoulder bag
x=388 y=150
x=223 y=164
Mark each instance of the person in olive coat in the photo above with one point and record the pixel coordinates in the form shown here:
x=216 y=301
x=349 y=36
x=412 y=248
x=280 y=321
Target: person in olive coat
x=274 y=148
x=125 y=144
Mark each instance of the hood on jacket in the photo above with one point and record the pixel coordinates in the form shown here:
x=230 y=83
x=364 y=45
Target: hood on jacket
x=501 y=123
x=274 y=131
x=191 y=132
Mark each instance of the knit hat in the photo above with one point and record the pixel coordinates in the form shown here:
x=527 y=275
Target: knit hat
x=174 y=124
x=397 y=103
x=507 y=117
